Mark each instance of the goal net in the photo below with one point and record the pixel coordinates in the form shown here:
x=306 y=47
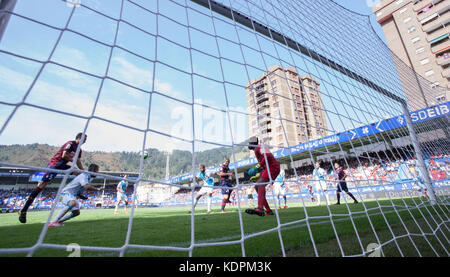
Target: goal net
x=197 y=79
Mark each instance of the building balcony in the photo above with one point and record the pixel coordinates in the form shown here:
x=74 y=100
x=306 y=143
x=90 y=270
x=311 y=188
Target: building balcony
x=264 y=104
x=264 y=120
x=441 y=47
x=424 y=3
x=264 y=110
x=262 y=100
x=436 y=18
x=437 y=35
x=443 y=61
x=433 y=7
x=436 y=26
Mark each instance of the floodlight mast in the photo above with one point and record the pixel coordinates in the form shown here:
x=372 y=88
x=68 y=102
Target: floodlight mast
x=296 y=46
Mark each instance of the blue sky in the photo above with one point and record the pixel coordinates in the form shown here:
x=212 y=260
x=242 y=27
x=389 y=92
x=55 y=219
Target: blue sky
x=196 y=94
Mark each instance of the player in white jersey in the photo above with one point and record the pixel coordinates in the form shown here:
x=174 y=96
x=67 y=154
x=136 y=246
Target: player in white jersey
x=69 y=196
x=122 y=195
x=279 y=188
x=319 y=175
x=207 y=189
x=419 y=184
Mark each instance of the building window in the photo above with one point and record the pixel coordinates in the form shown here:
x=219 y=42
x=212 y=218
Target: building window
x=435 y=85
x=420 y=50
x=407 y=20
x=398 y=2
x=429 y=73
x=441 y=99
x=379 y=14
x=416 y=39
x=424 y=61
x=411 y=29
x=403 y=10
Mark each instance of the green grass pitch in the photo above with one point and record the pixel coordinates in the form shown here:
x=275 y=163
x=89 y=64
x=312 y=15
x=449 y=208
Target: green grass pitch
x=171 y=227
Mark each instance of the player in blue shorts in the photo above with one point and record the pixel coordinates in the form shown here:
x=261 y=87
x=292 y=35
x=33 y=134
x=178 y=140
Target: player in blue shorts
x=64 y=155
x=224 y=182
x=69 y=195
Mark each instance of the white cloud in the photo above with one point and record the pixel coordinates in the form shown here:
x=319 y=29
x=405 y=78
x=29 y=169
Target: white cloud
x=75 y=93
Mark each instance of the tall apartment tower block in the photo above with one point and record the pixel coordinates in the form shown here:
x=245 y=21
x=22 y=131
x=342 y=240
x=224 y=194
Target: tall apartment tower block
x=417 y=32
x=283 y=98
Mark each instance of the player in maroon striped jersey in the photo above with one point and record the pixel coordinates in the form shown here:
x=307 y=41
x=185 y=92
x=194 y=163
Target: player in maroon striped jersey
x=342 y=184
x=64 y=155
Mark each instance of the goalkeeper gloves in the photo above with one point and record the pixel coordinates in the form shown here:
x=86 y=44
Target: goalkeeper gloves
x=255 y=178
x=254 y=170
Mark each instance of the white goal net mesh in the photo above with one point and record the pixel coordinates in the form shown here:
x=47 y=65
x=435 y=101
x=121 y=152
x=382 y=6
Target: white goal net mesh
x=310 y=79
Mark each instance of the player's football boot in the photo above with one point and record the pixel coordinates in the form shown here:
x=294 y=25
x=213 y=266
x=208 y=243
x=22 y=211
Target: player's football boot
x=115 y=212
x=255 y=211
x=285 y=207
x=279 y=208
x=208 y=212
x=125 y=212
x=268 y=212
x=223 y=212
x=55 y=224
x=22 y=217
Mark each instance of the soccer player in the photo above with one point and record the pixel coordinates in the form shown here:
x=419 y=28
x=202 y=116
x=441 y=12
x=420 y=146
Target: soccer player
x=280 y=189
x=419 y=183
x=342 y=185
x=272 y=167
x=321 y=186
x=70 y=193
x=207 y=189
x=310 y=189
x=250 y=190
x=225 y=183
x=64 y=155
x=122 y=195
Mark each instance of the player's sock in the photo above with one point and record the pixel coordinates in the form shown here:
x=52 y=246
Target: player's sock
x=318 y=198
x=353 y=197
x=31 y=198
x=285 y=200
x=208 y=202
x=62 y=212
x=117 y=207
x=196 y=201
x=338 y=196
x=67 y=217
x=224 y=203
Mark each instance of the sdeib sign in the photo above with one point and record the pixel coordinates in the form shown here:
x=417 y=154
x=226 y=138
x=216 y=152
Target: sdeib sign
x=429 y=113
